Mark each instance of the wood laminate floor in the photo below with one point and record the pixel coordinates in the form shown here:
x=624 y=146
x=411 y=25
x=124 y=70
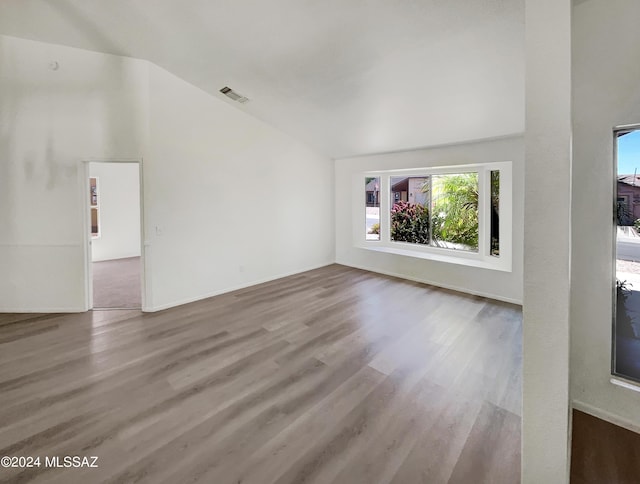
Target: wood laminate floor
x=336 y=375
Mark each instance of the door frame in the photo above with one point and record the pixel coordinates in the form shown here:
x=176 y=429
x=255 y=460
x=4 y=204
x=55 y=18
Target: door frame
x=86 y=227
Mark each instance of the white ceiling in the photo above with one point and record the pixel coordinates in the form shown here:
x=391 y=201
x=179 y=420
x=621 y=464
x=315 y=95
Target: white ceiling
x=346 y=76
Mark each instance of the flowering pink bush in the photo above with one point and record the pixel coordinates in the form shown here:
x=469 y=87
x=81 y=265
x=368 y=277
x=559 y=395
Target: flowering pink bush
x=410 y=223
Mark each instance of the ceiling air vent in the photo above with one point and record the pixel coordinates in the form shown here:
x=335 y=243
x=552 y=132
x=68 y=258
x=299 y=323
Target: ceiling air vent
x=230 y=93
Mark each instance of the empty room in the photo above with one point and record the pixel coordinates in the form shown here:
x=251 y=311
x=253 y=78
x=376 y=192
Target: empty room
x=319 y=242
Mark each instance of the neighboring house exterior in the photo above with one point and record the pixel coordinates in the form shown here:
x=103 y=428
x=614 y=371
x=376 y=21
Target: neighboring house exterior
x=628 y=197
x=373 y=193
x=409 y=189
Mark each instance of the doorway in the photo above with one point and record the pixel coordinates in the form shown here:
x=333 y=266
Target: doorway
x=115 y=249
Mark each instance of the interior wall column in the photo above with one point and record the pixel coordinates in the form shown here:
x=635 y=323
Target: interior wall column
x=547 y=243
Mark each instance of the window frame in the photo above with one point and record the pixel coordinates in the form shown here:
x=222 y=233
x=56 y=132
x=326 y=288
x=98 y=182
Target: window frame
x=482 y=258
x=618 y=378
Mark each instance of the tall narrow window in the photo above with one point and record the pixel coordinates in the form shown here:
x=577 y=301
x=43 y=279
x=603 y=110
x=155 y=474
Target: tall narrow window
x=494 y=247
x=626 y=323
x=454 y=207
x=372 y=204
x=410 y=197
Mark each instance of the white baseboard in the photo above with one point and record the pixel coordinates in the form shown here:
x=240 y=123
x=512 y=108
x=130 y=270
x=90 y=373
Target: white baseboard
x=231 y=289
x=118 y=257
x=42 y=310
x=437 y=284
x=606 y=416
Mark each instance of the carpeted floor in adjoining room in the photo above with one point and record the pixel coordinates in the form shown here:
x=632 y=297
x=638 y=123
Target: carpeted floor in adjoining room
x=116 y=283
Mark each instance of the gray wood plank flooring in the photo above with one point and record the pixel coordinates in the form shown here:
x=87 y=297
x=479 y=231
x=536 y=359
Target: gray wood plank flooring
x=335 y=375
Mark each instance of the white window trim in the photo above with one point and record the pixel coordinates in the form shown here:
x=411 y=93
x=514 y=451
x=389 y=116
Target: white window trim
x=482 y=258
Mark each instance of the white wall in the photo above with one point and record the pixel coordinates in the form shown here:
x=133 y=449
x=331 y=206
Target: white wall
x=229 y=200
x=499 y=285
x=118 y=210
x=606 y=93
x=92 y=106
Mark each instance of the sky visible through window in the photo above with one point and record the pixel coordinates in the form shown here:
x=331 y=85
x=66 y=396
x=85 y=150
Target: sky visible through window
x=629 y=153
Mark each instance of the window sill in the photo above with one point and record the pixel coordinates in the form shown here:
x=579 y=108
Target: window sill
x=624 y=383
x=497 y=265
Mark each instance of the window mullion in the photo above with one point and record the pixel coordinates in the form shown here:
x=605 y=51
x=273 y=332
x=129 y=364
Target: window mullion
x=483 y=246
x=431 y=210
x=385 y=209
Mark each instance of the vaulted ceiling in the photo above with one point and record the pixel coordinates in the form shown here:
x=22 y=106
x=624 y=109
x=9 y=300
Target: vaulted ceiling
x=346 y=76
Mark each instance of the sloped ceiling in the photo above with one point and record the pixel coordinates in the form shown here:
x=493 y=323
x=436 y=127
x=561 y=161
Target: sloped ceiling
x=348 y=77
